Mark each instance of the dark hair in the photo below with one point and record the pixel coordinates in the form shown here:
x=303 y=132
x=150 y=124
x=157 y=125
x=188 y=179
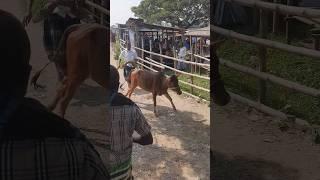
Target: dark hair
x=114 y=79
x=15 y=53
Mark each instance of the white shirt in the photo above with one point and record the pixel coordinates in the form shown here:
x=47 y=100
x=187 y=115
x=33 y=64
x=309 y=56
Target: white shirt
x=129 y=56
x=183 y=52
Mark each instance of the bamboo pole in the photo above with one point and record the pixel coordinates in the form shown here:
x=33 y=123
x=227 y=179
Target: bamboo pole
x=262 y=56
x=288 y=21
x=284 y=9
x=160 y=48
x=183 y=82
x=98 y=7
x=174 y=50
x=150 y=48
x=266 y=42
x=196 y=55
x=142 y=44
x=200 y=44
x=195 y=86
x=191 y=59
x=182 y=72
x=147 y=67
x=271 y=78
x=151 y=63
x=175 y=59
x=275 y=19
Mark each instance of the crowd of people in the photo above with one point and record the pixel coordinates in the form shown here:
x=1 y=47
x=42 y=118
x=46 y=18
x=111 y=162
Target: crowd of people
x=180 y=46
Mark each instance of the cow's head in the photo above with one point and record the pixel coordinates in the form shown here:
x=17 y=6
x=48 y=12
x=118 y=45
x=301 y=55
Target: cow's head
x=219 y=94
x=173 y=84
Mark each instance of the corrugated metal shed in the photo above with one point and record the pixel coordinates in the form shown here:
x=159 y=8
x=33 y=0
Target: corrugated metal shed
x=200 y=32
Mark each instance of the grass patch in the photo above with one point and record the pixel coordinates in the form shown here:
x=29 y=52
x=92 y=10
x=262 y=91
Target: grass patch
x=297 y=68
x=196 y=81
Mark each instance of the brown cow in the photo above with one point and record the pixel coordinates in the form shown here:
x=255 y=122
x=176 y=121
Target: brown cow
x=85 y=57
x=156 y=83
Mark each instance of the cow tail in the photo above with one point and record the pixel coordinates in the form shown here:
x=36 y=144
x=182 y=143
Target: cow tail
x=35 y=77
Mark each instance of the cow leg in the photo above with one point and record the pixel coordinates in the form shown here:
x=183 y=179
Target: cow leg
x=133 y=86
x=170 y=99
x=70 y=91
x=60 y=93
x=155 y=104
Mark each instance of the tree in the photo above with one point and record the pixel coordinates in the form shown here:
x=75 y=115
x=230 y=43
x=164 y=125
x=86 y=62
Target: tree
x=180 y=13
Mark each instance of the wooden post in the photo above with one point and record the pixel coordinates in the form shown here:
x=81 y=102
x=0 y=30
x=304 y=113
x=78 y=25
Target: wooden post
x=191 y=59
x=201 y=53
x=262 y=56
x=150 y=49
x=288 y=20
x=142 y=44
x=101 y=14
x=174 y=50
x=191 y=50
x=316 y=41
x=162 y=35
x=196 y=52
x=160 y=48
x=275 y=20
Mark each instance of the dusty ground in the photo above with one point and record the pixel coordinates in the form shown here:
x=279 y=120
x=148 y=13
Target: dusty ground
x=181 y=140
x=250 y=146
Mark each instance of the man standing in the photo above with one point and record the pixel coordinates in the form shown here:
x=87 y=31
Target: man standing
x=182 y=56
x=130 y=57
x=34 y=143
x=125 y=118
x=58 y=15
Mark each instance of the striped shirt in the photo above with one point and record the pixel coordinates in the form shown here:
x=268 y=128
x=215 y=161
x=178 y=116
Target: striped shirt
x=38 y=145
x=126 y=117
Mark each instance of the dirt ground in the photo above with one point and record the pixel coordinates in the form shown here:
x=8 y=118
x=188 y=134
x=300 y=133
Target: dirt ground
x=181 y=139
x=250 y=146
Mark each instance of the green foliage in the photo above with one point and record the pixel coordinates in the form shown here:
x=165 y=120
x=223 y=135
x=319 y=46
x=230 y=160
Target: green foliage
x=296 y=68
x=117 y=50
x=196 y=81
x=37 y=6
x=181 y=13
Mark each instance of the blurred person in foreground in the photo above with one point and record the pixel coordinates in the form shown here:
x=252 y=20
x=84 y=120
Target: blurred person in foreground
x=125 y=119
x=34 y=143
x=57 y=16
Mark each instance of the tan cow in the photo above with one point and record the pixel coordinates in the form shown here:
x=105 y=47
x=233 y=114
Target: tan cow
x=85 y=57
x=156 y=83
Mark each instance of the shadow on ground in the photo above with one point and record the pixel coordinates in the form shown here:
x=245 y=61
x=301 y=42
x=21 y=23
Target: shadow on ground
x=244 y=168
x=181 y=144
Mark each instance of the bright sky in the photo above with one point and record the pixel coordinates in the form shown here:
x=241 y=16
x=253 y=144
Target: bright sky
x=121 y=10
